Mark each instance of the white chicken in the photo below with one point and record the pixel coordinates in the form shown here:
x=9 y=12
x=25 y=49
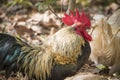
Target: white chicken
x=105 y=45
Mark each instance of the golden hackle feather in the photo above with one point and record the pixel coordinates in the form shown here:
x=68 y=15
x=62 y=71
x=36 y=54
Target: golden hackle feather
x=66 y=42
x=59 y=59
x=37 y=62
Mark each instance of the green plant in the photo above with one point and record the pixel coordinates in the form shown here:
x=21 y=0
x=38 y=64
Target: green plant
x=42 y=5
x=20 y=2
x=82 y=2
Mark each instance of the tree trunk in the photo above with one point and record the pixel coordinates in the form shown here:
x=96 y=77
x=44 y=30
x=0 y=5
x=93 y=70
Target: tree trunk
x=71 y=6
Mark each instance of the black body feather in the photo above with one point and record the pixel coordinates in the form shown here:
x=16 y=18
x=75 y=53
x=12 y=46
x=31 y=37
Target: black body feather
x=9 y=52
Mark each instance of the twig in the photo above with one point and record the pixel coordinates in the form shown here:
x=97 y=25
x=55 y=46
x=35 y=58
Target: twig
x=71 y=6
x=56 y=16
x=54 y=12
x=62 y=6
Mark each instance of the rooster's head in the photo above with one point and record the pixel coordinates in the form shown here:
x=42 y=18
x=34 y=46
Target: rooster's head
x=80 y=22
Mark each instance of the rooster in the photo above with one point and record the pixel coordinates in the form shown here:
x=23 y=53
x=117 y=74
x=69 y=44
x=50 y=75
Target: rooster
x=61 y=55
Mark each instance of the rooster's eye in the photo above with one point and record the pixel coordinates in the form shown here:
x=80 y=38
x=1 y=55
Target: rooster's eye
x=75 y=29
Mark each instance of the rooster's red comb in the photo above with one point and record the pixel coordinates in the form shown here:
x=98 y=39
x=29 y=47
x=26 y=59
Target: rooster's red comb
x=71 y=19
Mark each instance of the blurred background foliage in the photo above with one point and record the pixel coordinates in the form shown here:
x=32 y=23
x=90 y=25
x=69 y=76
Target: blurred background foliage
x=53 y=2
x=43 y=5
x=58 y=5
x=24 y=3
